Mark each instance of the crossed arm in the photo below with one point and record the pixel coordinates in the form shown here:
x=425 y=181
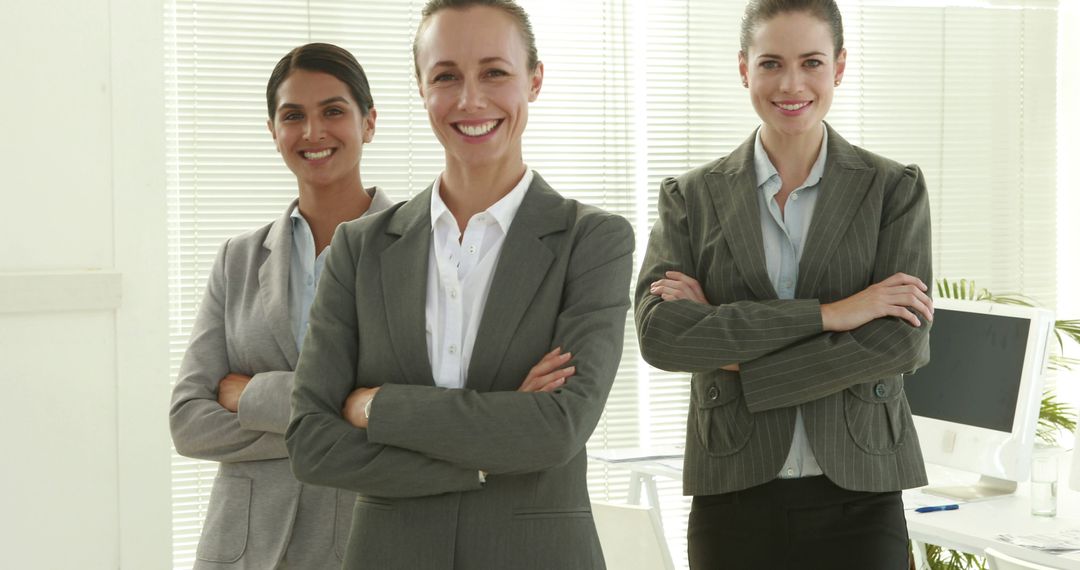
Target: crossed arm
x=436 y=438
x=219 y=415
x=789 y=352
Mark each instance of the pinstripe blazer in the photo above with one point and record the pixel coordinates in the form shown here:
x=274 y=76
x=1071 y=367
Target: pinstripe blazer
x=872 y=220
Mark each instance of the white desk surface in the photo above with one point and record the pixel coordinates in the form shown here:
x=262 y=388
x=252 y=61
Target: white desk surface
x=971 y=528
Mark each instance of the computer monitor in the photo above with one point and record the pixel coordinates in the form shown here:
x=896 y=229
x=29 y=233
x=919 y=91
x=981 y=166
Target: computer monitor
x=976 y=404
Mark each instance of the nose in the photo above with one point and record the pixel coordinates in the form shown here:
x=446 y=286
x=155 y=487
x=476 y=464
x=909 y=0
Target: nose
x=472 y=96
x=313 y=129
x=791 y=81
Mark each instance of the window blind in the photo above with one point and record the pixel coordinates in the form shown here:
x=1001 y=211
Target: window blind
x=634 y=91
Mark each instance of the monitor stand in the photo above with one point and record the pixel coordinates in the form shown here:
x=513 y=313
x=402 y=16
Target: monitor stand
x=985 y=488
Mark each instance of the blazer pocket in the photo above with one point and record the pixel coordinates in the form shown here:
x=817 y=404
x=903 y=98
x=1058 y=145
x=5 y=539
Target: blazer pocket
x=876 y=415
x=343 y=515
x=552 y=512
x=225 y=532
x=373 y=503
x=724 y=423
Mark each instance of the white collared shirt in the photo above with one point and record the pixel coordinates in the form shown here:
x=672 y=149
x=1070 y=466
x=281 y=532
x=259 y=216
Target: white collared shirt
x=460 y=268
x=784 y=236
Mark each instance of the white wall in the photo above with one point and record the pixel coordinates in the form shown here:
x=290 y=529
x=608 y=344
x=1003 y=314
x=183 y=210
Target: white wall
x=84 y=464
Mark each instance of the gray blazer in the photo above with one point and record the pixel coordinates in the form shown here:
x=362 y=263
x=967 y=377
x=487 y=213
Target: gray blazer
x=560 y=281
x=258 y=510
x=871 y=220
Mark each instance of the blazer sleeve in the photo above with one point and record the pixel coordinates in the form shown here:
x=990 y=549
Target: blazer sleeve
x=513 y=432
x=830 y=362
x=200 y=427
x=323 y=447
x=684 y=336
x=265 y=402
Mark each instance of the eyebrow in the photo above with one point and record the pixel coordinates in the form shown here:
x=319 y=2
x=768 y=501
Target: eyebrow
x=801 y=56
x=483 y=61
x=323 y=103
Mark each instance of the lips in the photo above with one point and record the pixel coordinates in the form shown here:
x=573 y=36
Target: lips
x=477 y=129
x=792 y=107
x=317 y=154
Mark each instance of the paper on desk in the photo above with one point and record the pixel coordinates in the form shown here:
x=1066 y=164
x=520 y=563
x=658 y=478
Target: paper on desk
x=1053 y=543
x=915 y=498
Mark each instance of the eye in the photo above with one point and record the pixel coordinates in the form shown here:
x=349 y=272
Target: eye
x=770 y=64
x=292 y=116
x=813 y=63
x=443 y=77
x=496 y=72
x=333 y=112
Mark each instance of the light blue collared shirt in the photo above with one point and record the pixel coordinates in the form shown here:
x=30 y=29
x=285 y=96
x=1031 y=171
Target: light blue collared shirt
x=305 y=268
x=784 y=236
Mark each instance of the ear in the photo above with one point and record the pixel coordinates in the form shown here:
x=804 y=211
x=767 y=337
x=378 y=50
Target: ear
x=273 y=133
x=536 y=81
x=368 y=128
x=744 y=69
x=841 y=64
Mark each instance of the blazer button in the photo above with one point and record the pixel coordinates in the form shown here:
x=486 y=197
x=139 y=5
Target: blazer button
x=714 y=393
x=880 y=390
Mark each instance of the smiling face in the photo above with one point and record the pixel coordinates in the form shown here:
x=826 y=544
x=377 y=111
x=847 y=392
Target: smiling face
x=476 y=85
x=319 y=130
x=791 y=72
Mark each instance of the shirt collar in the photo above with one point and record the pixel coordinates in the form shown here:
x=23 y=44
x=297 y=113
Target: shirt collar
x=502 y=211
x=764 y=169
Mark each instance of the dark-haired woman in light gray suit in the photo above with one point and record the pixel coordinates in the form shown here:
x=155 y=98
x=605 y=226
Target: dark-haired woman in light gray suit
x=231 y=403
x=790 y=277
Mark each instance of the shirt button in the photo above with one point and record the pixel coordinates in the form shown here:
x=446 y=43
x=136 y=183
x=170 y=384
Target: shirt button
x=453 y=293
x=794 y=197
x=310 y=280
x=790 y=472
x=452 y=349
x=472 y=249
x=714 y=393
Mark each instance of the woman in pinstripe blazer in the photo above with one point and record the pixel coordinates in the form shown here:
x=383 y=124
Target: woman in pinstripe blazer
x=231 y=402
x=790 y=278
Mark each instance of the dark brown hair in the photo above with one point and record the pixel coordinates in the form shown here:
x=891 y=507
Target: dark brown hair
x=511 y=8
x=324 y=58
x=760 y=11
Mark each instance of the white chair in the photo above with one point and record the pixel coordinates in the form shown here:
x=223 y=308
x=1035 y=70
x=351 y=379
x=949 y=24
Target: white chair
x=1001 y=561
x=632 y=537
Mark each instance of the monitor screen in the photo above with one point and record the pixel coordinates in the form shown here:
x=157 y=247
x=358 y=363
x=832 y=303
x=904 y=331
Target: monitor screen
x=973 y=378
x=976 y=403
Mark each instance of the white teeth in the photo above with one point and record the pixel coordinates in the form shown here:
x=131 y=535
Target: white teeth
x=794 y=107
x=477 y=130
x=318 y=155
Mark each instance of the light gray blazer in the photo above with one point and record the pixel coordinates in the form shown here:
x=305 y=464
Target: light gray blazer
x=258 y=509
x=560 y=281
x=871 y=220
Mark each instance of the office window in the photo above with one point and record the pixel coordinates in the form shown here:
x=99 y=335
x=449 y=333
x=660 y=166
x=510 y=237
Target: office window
x=634 y=91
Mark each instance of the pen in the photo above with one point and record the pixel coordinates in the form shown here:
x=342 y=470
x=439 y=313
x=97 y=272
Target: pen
x=937 y=508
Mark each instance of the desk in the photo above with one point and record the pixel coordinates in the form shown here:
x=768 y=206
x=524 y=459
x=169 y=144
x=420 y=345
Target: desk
x=971 y=528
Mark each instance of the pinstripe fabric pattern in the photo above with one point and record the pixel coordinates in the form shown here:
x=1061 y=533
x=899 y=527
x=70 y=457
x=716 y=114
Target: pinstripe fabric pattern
x=872 y=220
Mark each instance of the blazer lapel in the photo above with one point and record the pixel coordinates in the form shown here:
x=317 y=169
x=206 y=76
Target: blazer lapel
x=523 y=265
x=733 y=187
x=403 y=268
x=274 y=284
x=843 y=186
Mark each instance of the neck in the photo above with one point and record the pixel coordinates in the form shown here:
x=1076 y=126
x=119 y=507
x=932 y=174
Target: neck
x=469 y=190
x=325 y=207
x=792 y=153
